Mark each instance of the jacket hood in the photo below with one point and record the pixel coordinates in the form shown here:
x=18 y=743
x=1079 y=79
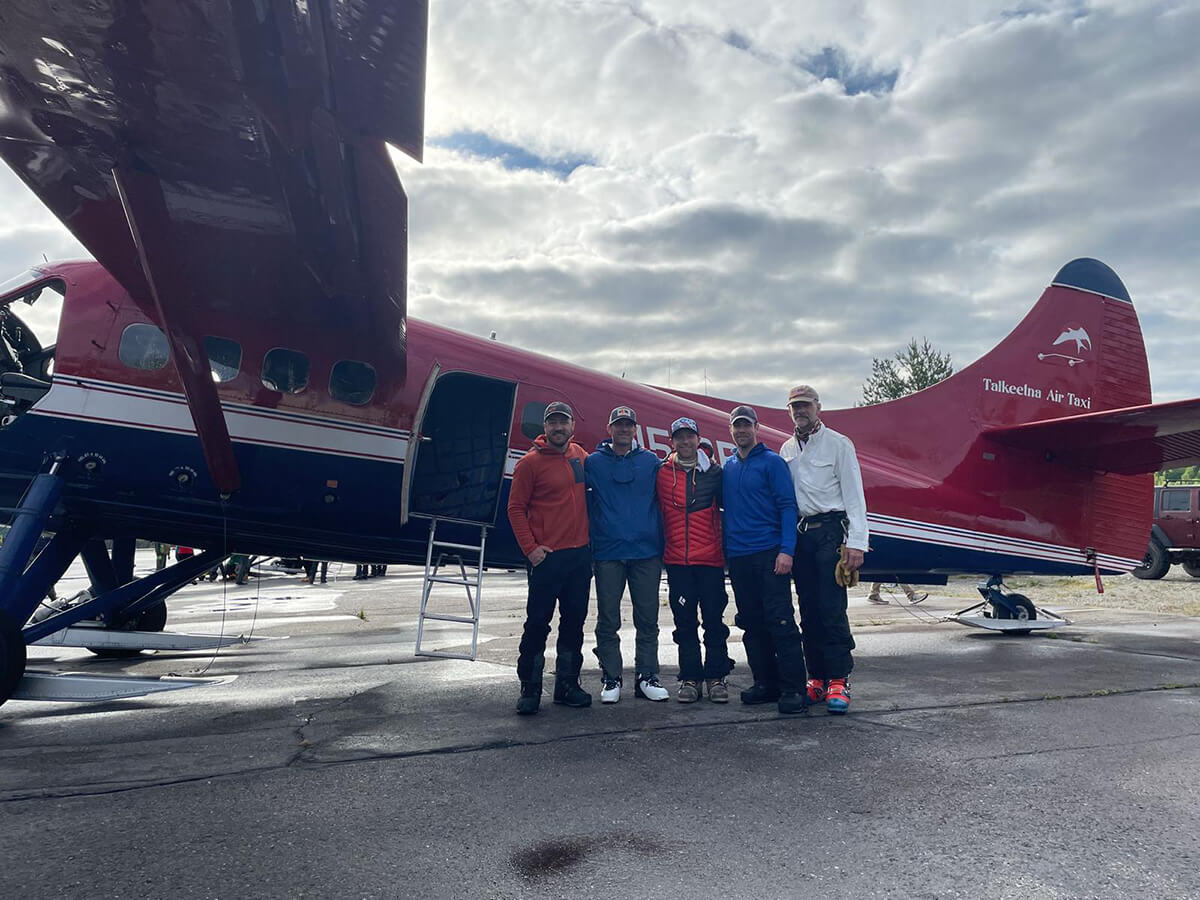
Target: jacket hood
x=605 y=446
x=758 y=448
x=541 y=445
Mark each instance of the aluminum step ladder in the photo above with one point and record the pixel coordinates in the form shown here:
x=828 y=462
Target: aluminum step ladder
x=472 y=584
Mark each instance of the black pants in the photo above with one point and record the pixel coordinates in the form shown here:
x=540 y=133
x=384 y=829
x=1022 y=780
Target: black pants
x=699 y=591
x=765 y=614
x=563 y=577
x=827 y=638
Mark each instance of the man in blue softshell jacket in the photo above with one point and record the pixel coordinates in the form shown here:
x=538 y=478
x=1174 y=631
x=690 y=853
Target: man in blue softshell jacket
x=760 y=534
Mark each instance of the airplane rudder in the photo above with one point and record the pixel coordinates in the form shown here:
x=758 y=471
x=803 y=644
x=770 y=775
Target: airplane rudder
x=1077 y=351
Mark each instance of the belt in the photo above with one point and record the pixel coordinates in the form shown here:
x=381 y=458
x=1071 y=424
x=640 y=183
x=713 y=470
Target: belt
x=807 y=522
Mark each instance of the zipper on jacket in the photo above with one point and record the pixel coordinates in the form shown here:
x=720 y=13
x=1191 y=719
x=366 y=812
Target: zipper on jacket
x=687 y=521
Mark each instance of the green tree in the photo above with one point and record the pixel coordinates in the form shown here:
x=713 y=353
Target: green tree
x=914 y=368
x=1186 y=475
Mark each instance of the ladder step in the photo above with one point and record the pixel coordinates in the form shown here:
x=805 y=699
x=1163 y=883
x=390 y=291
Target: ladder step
x=443 y=579
x=457 y=546
x=441 y=655
x=462 y=620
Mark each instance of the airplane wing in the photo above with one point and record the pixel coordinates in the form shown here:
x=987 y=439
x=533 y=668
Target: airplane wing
x=1127 y=441
x=223 y=154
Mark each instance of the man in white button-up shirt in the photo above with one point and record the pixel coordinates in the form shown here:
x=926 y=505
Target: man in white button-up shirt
x=833 y=511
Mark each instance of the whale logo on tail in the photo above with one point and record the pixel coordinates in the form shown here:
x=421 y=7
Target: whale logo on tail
x=1078 y=335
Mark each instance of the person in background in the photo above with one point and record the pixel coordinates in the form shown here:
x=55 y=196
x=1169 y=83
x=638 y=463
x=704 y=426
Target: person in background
x=913 y=596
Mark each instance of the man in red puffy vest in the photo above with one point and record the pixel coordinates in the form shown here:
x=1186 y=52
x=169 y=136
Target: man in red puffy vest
x=689 y=494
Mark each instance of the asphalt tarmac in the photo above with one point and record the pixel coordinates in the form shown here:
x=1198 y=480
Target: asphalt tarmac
x=329 y=761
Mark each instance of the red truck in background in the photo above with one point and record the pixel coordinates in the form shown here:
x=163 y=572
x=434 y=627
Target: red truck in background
x=1175 y=535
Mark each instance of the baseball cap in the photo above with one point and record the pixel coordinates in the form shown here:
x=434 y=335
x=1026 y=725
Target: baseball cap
x=558 y=408
x=743 y=412
x=622 y=412
x=802 y=393
x=684 y=422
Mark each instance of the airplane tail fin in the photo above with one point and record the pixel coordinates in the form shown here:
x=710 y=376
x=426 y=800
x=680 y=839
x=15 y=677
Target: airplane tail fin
x=986 y=431
x=1078 y=350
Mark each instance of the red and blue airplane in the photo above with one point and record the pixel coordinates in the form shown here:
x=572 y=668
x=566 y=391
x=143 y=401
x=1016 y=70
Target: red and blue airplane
x=236 y=370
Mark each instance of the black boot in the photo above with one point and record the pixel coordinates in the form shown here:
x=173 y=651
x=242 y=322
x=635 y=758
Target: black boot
x=793 y=704
x=568 y=692
x=759 y=693
x=531 y=698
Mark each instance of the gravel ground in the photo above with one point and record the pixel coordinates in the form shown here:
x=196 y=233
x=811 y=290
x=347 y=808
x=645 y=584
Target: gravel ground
x=1176 y=593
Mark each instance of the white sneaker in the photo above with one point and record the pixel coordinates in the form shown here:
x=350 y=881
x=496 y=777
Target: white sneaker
x=648 y=688
x=611 y=692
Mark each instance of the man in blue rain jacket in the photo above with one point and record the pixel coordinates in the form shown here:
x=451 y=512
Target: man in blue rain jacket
x=627 y=540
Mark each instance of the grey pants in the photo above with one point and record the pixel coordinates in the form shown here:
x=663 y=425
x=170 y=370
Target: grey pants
x=643 y=576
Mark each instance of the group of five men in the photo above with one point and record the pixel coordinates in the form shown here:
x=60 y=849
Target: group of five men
x=622 y=514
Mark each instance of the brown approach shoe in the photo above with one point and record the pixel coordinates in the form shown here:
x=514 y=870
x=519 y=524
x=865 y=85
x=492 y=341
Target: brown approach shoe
x=689 y=692
x=717 y=691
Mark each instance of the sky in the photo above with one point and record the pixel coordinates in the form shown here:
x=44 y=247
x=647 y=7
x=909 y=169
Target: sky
x=733 y=197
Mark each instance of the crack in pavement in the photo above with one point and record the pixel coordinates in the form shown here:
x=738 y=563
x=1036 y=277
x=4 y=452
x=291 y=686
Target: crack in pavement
x=868 y=719
x=1045 y=751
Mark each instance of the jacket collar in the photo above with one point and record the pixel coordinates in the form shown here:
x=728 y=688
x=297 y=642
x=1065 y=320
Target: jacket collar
x=703 y=463
x=605 y=446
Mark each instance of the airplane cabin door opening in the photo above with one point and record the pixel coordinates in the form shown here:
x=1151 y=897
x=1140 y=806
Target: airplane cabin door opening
x=460 y=455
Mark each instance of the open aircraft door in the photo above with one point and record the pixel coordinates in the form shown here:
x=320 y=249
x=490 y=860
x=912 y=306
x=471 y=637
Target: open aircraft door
x=456 y=456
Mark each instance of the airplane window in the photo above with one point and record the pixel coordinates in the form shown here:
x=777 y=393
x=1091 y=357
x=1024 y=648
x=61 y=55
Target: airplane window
x=285 y=371
x=143 y=346
x=533 y=420
x=1176 y=501
x=31 y=335
x=225 y=358
x=11 y=284
x=352 y=382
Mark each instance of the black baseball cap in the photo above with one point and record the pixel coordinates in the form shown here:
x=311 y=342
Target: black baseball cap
x=743 y=412
x=558 y=408
x=622 y=412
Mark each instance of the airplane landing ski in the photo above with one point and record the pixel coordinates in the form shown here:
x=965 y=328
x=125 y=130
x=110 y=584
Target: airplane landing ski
x=71 y=687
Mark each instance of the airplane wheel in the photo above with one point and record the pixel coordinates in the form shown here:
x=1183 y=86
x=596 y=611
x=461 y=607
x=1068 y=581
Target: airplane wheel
x=1026 y=612
x=152 y=619
x=12 y=657
x=1155 y=564
x=1192 y=568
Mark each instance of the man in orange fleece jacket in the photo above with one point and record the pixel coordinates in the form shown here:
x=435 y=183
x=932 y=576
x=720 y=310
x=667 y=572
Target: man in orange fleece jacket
x=547 y=507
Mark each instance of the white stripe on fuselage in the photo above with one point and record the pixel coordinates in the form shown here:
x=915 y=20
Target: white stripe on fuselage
x=111 y=403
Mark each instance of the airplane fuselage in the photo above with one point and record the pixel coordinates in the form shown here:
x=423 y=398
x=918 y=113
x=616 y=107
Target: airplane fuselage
x=324 y=477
